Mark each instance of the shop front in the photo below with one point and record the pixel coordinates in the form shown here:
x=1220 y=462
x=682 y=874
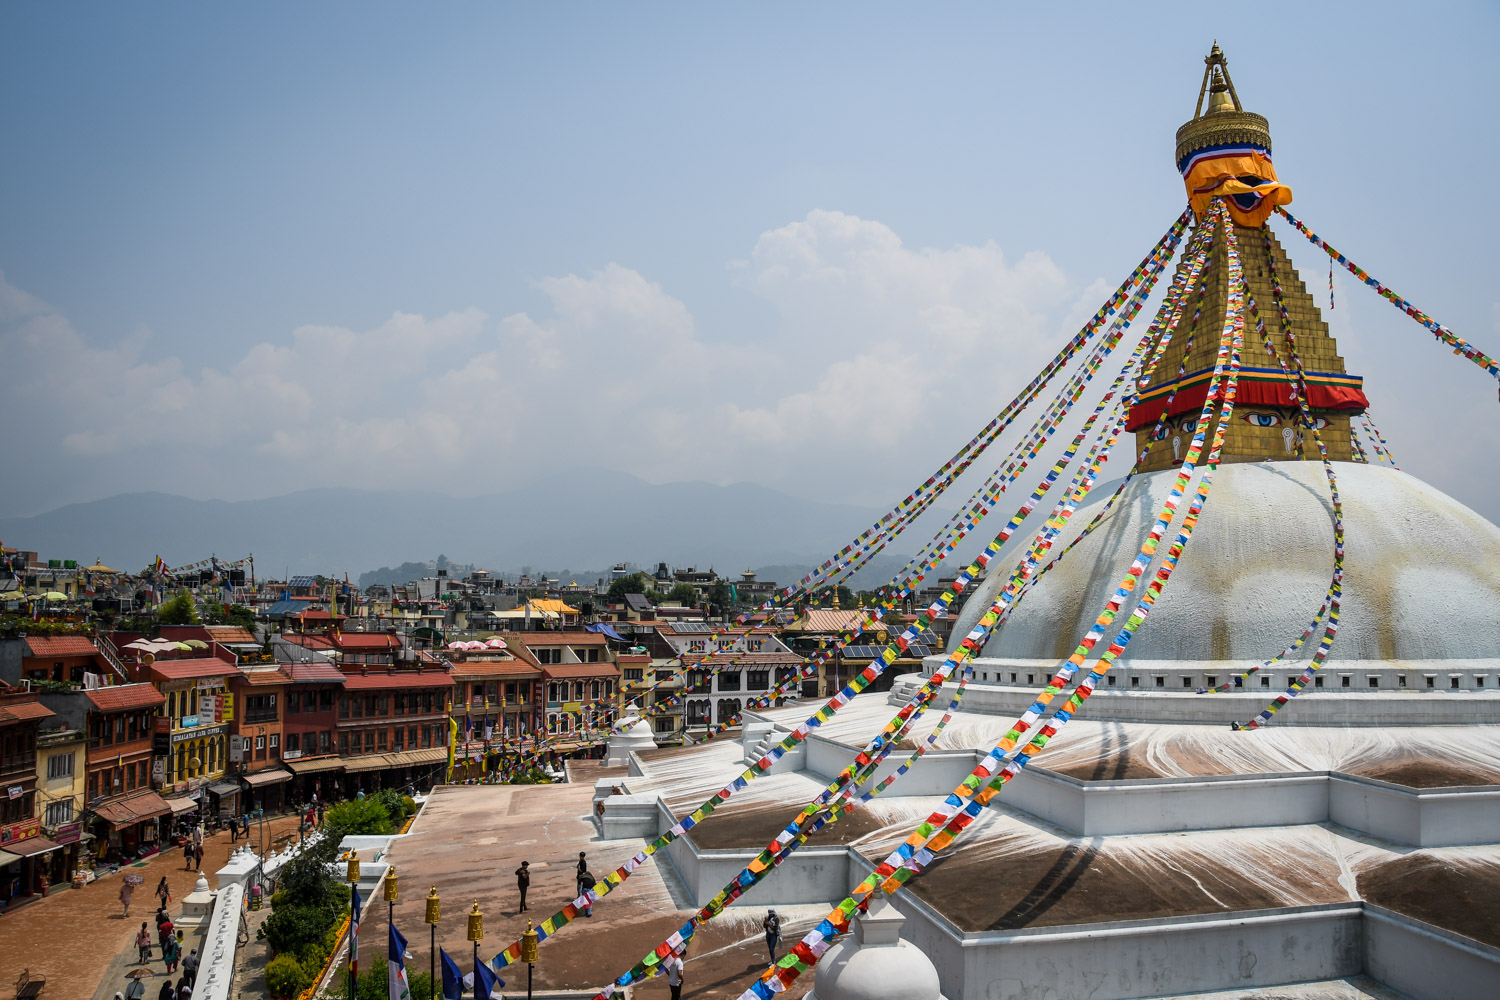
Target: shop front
x=129 y=827
x=265 y=789
x=318 y=776
x=224 y=800
x=25 y=861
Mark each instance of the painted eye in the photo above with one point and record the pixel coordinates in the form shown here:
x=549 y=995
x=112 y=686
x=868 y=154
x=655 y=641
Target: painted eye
x=1262 y=419
x=1189 y=425
x=1161 y=432
x=1319 y=423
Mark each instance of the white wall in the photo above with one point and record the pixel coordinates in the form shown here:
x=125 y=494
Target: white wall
x=1426 y=962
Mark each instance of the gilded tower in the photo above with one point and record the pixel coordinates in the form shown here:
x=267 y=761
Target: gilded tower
x=1225 y=151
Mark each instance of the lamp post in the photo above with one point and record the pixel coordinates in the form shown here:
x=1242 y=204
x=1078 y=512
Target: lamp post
x=476 y=935
x=351 y=875
x=528 y=953
x=432 y=922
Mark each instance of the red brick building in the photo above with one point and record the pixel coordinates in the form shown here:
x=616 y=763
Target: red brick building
x=393 y=727
x=256 y=737
x=127 y=812
x=22 y=847
x=309 y=723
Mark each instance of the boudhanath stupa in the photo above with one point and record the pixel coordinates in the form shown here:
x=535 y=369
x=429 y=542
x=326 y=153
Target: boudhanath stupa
x=1216 y=821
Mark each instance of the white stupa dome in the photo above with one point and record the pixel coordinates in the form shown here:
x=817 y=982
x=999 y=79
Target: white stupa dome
x=635 y=736
x=1419 y=572
x=873 y=963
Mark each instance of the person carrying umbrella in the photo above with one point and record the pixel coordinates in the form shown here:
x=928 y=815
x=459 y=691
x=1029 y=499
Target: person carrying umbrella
x=136 y=989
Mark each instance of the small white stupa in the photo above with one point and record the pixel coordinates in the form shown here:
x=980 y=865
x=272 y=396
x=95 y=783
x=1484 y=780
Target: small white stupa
x=636 y=736
x=873 y=963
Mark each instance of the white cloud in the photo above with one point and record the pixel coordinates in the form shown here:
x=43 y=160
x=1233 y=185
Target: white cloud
x=876 y=348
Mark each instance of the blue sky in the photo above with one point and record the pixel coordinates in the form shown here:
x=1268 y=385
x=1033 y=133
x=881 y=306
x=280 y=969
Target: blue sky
x=252 y=250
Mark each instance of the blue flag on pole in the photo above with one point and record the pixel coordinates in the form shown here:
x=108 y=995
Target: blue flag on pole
x=354 y=936
x=485 y=980
x=453 y=978
x=399 y=986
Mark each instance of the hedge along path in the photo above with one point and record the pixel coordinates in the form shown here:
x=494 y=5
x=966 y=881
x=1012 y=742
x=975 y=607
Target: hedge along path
x=818 y=813
x=954 y=816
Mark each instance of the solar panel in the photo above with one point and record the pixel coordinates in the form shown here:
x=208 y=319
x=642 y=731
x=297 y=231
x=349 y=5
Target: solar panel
x=692 y=628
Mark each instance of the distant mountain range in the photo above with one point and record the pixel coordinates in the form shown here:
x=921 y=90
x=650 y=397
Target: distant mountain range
x=586 y=521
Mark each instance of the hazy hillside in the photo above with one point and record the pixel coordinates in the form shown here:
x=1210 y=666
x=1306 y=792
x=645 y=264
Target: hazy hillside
x=559 y=523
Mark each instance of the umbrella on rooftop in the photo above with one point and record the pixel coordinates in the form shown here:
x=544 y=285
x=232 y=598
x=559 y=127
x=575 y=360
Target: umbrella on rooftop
x=196 y=643
x=456 y=644
x=144 y=645
x=495 y=642
x=473 y=644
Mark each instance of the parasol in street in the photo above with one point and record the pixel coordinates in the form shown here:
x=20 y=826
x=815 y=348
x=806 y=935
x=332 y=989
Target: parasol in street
x=134 y=879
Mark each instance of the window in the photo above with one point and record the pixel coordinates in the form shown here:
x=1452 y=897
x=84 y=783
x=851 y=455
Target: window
x=398 y=739
x=293 y=742
x=1135 y=682
x=593 y=656
x=594 y=690
x=1265 y=681
x=757 y=680
x=664 y=724
x=1212 y=681
x=634 y=674
x=325 y=742
x=1029 y=679
x=411 y=737
x=426 y=737
x=369 y=741
x=1317 y=682
x=130 y=778
x=260 y=742
x=729 y=680
x=1012 y=678
x=427 y=702
x=382 y=706
x=1374 y=681
x=343 y=708
x=1187 y=682
x=1112 y=679
x=380 y=740
x=492 y=693
x=1161 y=682
x=1401 y=680
x=1478 y=680
x=325 y=700
x=94 y=784
x=59 y=812
x=343 y=744
x=60 y=766
x=1453 y=683
x=1429 y=680
x=293 y=702
x=1343 y=680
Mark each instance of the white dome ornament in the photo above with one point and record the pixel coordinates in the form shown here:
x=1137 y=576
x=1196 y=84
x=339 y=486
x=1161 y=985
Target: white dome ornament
x=873 y=963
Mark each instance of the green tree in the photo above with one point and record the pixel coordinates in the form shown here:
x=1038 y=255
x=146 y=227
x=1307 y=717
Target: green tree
x=718 y=595
x=178 y=610
x=635 y=583
x=374 y=983
x=358 y=817
x=683 y=593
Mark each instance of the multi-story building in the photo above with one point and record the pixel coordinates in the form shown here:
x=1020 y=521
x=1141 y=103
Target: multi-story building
x=23 y=849
x=61 y=658
x=256 y=737
x=495 y=700
x=309 y=723
x=128 y=740
x=393 y=727
x=580 y=681
x=60 y=788
x=199 y=711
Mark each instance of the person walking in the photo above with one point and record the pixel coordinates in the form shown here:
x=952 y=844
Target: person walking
x=585 y=883
x=187 y=855
x=583 y=869
x=234 y=829
x=674 y=969
x=167 y=991
x=197 y=857
x=171 y=951
x=143 y=943
x=772 y=925
x=184 y=990
x=523 y=882
x=126 y=892
x=190 y=969
x=164 y=892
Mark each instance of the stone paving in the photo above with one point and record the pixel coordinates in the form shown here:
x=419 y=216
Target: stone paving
x=79 y=939
x=469 y=840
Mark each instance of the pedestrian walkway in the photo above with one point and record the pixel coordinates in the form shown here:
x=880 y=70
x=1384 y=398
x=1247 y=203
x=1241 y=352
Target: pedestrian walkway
x=79 y=939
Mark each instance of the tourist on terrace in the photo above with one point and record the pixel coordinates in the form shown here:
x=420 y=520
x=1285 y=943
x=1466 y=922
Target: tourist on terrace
x=772 y=924
x=523 y=882
x=673 y=966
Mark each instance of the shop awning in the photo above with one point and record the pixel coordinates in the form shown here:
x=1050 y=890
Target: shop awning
x=315 y=765
x=181 y=804
x=407 y=758
x=371 y=762
x=134 y=808
x=7 y=858
x=270 y=776
x=224 y=789
x=33 y=846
